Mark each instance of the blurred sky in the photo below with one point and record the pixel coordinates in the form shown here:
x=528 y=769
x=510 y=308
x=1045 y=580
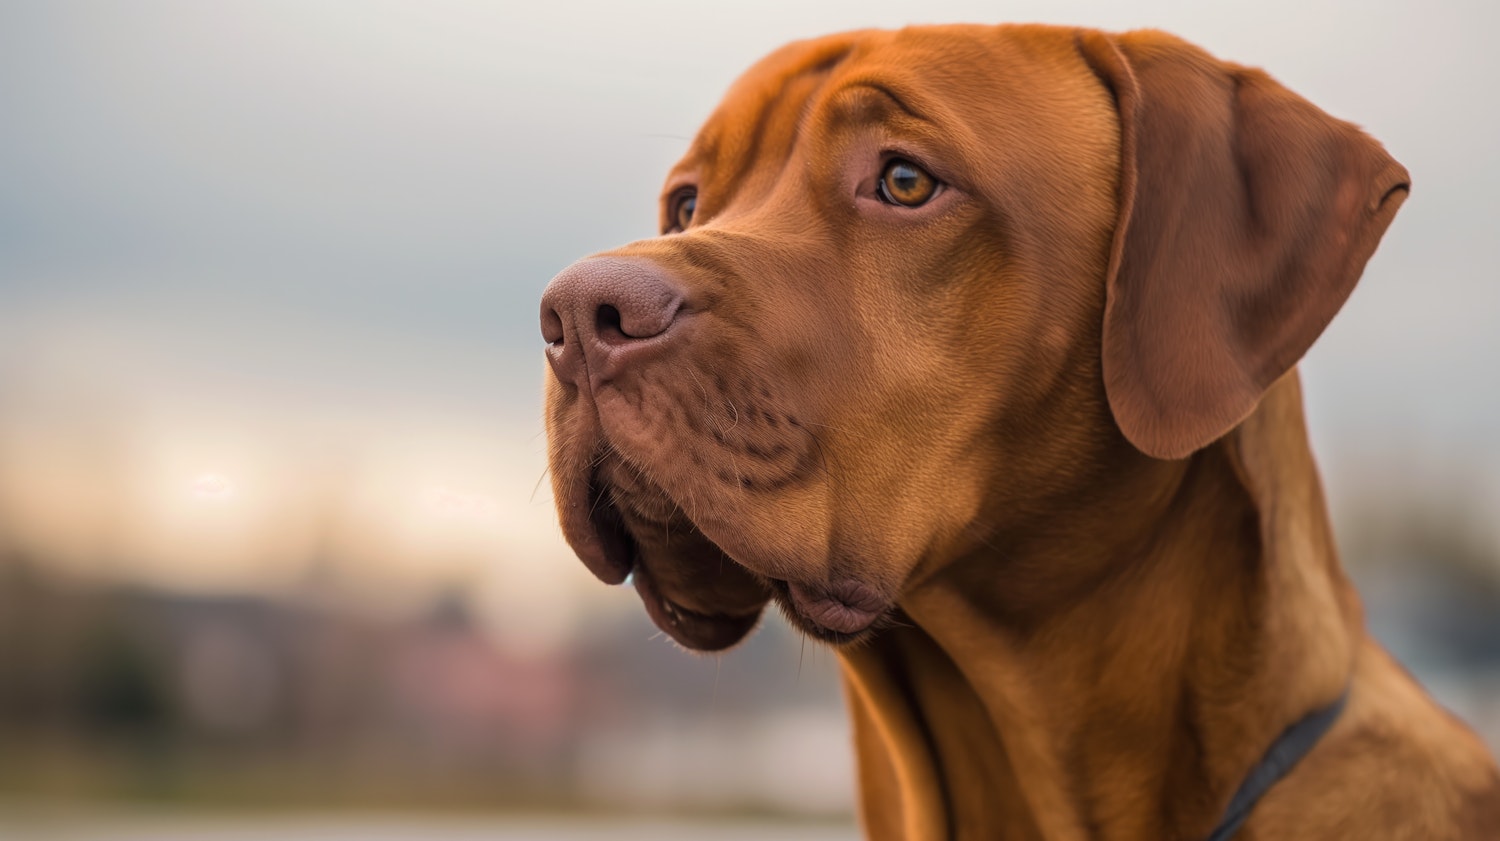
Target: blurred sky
x=299 y=245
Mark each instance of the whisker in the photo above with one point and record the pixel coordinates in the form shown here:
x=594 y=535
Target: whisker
x=538 y=485
x=701 y=390
x=594 y=508
x=738 y=476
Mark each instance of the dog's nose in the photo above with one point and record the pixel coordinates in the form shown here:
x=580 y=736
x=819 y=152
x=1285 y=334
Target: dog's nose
x=599 y=310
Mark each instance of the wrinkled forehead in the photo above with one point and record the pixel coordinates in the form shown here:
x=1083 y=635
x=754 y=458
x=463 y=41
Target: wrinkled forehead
x=953 y=75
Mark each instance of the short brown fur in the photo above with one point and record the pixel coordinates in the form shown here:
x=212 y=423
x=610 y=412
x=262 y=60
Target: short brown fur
x=1051 y=417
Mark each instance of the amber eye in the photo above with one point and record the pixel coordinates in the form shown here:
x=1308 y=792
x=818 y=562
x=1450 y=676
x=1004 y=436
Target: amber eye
x=906 y=184
x=680 y=209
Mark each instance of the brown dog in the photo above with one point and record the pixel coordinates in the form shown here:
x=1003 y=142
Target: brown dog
x=973 y=348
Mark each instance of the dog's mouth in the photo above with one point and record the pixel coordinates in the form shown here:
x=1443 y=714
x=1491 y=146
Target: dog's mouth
x=691 y=590
x=695 y=592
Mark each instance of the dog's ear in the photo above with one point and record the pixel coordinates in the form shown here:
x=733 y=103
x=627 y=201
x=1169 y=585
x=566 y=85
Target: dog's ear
x=1246 y=216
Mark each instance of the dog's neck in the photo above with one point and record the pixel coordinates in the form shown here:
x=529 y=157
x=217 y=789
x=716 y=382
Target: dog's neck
x=1023 y=700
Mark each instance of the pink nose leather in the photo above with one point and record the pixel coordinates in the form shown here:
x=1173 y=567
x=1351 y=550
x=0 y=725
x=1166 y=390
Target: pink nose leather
x=598 y=310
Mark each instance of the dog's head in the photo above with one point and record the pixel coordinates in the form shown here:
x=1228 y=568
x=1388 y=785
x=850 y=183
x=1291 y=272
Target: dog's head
x=916 y=287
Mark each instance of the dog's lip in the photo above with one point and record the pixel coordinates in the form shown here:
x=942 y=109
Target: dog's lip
x=604 y=544
x=607 y=546
x=695 y=630
x=838 y=611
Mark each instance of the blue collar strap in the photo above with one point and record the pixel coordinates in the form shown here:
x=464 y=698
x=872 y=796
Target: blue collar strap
x=1284 y=754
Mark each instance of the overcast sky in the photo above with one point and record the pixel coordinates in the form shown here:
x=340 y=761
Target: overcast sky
x=320 y=223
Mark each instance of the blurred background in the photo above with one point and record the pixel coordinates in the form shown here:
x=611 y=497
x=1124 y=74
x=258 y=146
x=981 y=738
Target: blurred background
x=276 y=556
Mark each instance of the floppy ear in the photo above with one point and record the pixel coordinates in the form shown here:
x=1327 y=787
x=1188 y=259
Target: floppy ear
x=1246 y=216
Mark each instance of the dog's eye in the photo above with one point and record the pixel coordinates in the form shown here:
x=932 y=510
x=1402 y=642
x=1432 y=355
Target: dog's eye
x=906 y=184
x=680 y=209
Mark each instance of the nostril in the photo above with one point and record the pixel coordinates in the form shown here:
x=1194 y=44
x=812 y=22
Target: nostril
x=552 y=327
x=628 y=321
x=607 y=321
